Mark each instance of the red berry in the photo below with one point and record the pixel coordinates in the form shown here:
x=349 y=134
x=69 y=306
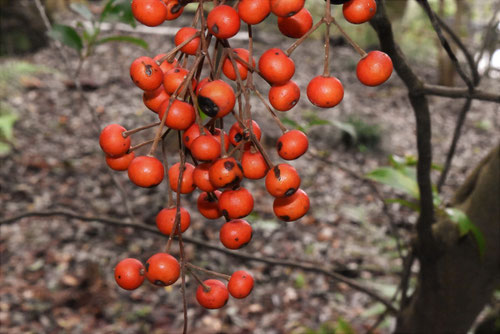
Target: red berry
x=215 y=297
x=223 y=22
x=282 y=181
x=216 y=98
x=149 y=12
x=208 y=205
x=236 y=134
x=228 y=68
x=297 y=25
x=184 y=34
x=146 y=171
x=236 y=204
x=166 y=217
x=254 y=165
x=205 y=148
x=292 y=144
x=292 y=207
x=187 y=184
x=284 y=97
x=112 y=141
x=225 y=172
x=235 y=233
x=286 y=8
x=145 y=73
x=120 y=163
x=162 y=269
x=201 y=177
x=155 y=98
x=325 y=92
x=165 y=65
x=359 y=11
x=253 y=11
x=276 y=67
x=240 y=284
x=181 y=115
x=129 y=274
x=191 y=134
x=374 y=69
x=174 y=9
x=172 y=80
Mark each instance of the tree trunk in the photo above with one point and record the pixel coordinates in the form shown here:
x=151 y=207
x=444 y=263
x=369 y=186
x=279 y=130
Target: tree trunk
x=453 y=289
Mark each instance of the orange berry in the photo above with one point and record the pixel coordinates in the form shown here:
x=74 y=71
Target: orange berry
x=205 y=148
x=162 y=269
x=286 y=8
x=235 y=204
x=129 y=274
x=216 y=99
x=155 y=98
x=253 y=11
x=359 y=11
x=292 y=144
x=228 y=68
x=187 y=184
x=374 y=69
x=145 y=73
x=223 y=22
x=120 y=163
x=282 y=181
x=174 y=9
x=254 y=165
x=174 y=78
x=236 y=134
x=284 y=97
x=240 y=284
x=276 y=67
x=181 y=115
x=225 y=172
x=235 y=234
x=201 y=177
x=215 y=297
x=146 y=171
x=151 y=13
x=325 y=92
x=165 y=65
x=296 y=25
x=191 y=134
x=208 y=205
x=184 y=34
x=112 y=141
x=293 y=207
x=165 y=220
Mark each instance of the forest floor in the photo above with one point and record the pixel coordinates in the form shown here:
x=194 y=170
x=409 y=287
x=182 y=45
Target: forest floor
x=57 y=273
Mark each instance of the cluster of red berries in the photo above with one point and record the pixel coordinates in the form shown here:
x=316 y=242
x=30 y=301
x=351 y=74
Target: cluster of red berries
x=177 y=92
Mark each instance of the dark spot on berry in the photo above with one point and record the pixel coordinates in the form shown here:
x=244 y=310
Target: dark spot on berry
x=290 y=192
x=277 y=53
x=186 y=138
x=225 y=214
x=277 y=172
x=238 y=137
x=291 y=14
x=208 y=106
x=147 y=266
x=159 y=283
x=294 y=102
x=244 y=276
x=280 y=145
x=236 y=239
x=229 y=165
x=177 y=70
x=148 y=70
x=176 y=8
x=119 y=277
x=215 y=28
x=285 y=218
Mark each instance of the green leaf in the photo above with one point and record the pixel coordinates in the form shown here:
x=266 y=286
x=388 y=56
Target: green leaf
x=126 y=39
x=83 y=10
x=465 y=226
x=7 y=121
x=66 y=35
x=291 y=122
x=118 y=11
x=412 y=205
x=343 y=327
x=396 y=179
x=346 y=127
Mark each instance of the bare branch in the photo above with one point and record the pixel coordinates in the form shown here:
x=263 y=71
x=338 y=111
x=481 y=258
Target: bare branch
x=459 y=93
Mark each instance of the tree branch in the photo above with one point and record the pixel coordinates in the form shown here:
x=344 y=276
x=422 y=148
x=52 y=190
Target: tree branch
x=458 y=93
x=200 y=243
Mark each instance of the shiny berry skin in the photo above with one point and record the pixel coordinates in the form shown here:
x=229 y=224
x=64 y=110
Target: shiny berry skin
x=293 y=207
x=145 y=171
x=374 y=69
x=201 y=177
x=228 y=68
x=120 y=163
x=166 y=217
x=254 y=165
x=292 y=144
x=129 y=274
x=162 y=269
x=151 y=13
x=208 y=205
x=145 y=73
x=181 y=115
x=286 y=8
x=236 y=134
x=174 y=9
x=184 y=34
x=276 y=67
x=225 y=172
x=297 y=25
x=165 y=65
x=155 y=98
x=216 y=98
x=325 y=92
x=112 y=141
x=235 y=233
x=359 y=11
x=187 y=184
x=253 y=11
x=282 y=181
x=214 y=298
x=201 y=83
x=240 y=284
x=172 y=80
x=205 y=148
x=223 y=22
x=236 y=204
x=284 y=97
x=191 y=134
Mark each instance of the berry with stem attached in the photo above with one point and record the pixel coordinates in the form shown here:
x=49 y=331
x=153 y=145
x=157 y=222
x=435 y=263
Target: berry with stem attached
x=297 y=25
x=325 y=92
x=146 y=74
x=292 y=144
x=253 y=11
x=240 y=284
x=293 y=207
x=235 y=233
x=166 y=217
x=276 y=67
x=235 y=204
x=374 y=69
x=112 y=141
x=282 y=181
x=162 y=269
x=187 y=184
x=223 y=22
x=151 y=13
x=212 y=294
x=284 y=97
x=129 y=273
x=208 y=205
x=146 y=171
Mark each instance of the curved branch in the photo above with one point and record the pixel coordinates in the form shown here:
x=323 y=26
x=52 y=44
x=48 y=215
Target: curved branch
x=200 y=243
x=459 y=93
